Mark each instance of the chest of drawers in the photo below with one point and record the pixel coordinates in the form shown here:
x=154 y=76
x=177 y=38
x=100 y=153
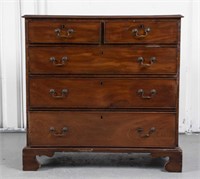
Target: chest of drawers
x=102 y=84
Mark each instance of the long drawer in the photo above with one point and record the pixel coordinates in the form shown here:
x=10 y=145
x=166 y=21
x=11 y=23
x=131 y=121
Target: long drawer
x=64 y=31
x=102 y=92
x=110 y=129
x=102 y=60
x=141 y=31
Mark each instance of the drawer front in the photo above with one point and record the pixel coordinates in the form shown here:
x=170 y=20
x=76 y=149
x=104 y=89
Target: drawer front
x=102 y=93
x=119 y=129
x=102 y=60
x=141 y=31
x=64 y=31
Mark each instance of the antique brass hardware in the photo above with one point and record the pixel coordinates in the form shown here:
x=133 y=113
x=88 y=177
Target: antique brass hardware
x=136 y=31
x=60 y=63
x=64 y=32
x=141 y=61
x=141 y=130
x=54 y=93
x=57 y=134
x=152 y=93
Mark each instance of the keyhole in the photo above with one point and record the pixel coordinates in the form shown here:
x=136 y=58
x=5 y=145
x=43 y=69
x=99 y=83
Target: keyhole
x=101 y=83
x=141 y=26
x=101 y=52
x=62 y=26
x=101 y=117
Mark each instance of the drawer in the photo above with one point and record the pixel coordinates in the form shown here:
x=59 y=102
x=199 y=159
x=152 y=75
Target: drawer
x=102 y=60
x=110 y=129
x=141 y=31
x=63 y=31
x=102 y=92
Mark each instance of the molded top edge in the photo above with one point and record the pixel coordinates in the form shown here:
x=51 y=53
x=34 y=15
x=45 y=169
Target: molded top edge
x=103 y=17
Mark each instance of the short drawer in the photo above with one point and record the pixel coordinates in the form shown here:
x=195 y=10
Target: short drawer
x=102 y=92
x=100 y=129
x=63 y=31
x=141 y=31
x=102 y=60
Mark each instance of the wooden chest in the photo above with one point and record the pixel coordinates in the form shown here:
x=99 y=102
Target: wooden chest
x=102 y=84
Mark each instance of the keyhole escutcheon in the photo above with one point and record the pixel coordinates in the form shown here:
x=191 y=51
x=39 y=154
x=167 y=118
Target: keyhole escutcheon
x=101 y=52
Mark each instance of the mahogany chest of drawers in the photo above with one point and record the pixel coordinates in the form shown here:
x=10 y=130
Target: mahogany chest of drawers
x=102 y=84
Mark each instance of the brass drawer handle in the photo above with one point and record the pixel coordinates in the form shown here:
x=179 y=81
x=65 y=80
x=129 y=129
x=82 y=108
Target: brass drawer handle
x=141 y=61
x=64 y=32
x=152 y=93
x=141 y=130
x=54 y=93
x=136 y=33
x=57 y=134
x=60 y=63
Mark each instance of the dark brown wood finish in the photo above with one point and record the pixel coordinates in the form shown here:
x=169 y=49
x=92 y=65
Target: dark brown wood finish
x=100 y=60
x=64 y=31
x=102 y=93
x=100 y=129
x=174 y=164
x=123 y=31
x=106 y=61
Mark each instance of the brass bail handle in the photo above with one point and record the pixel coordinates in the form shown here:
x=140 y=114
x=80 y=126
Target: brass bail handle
x=60 y=62
x=64 y=32
x=54 y=132
x=141 y=61
x=137 y=34
x=55 y=95
x=141 y=92
x=140 y=131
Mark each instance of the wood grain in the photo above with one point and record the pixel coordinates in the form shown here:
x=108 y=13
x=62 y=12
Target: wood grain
x=121 y=31
x=44 y=32
x=100 y=129
x=102 y=93
x=100 y=60
x=101 y=109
